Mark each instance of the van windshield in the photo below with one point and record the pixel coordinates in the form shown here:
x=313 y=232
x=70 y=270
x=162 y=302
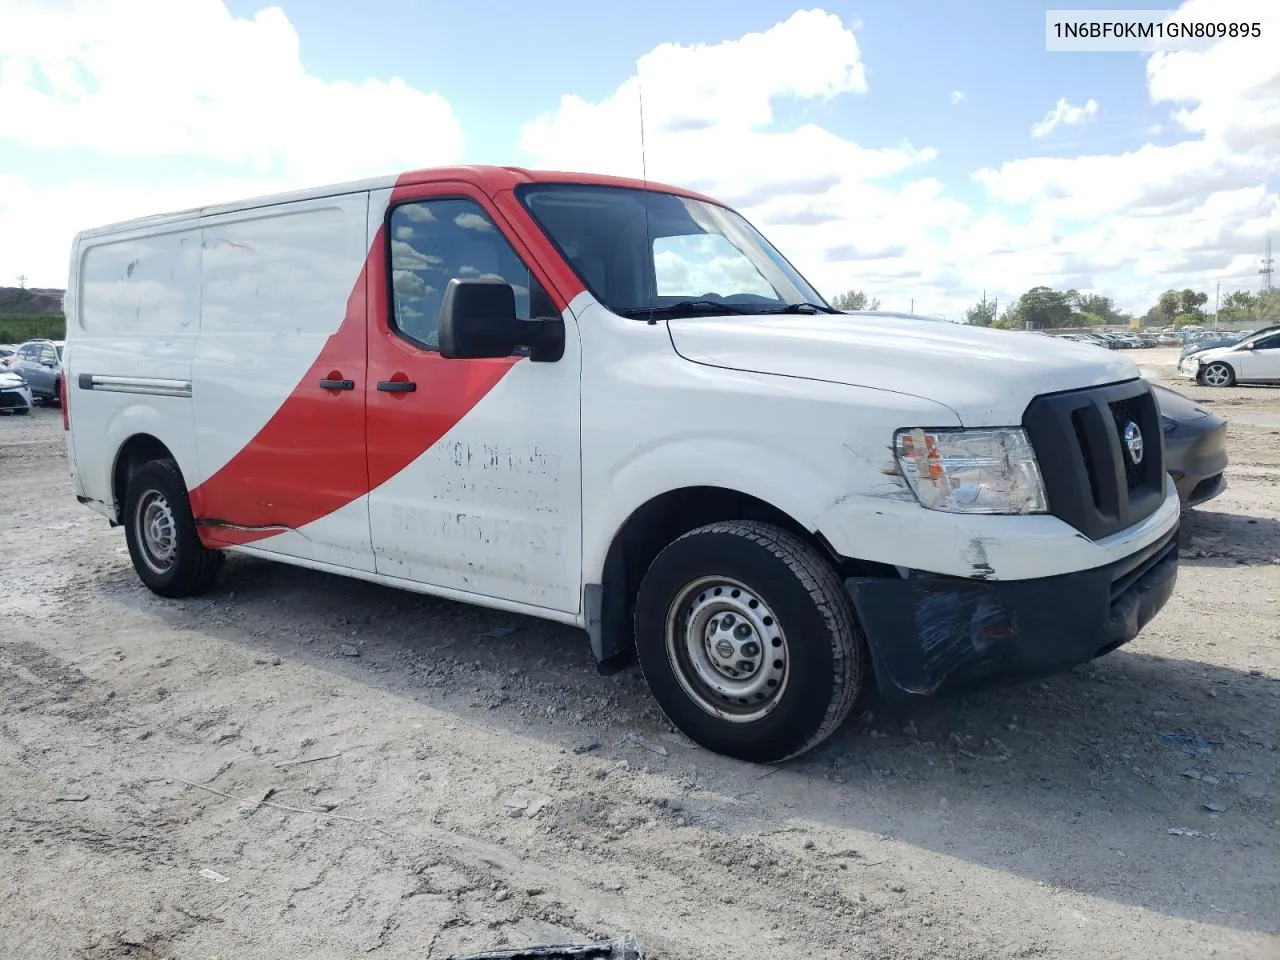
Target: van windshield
x=681 y=257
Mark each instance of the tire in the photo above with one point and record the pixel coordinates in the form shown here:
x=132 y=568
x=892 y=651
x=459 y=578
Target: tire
x=163 y=543
x=806 y=670
x=1222 y=372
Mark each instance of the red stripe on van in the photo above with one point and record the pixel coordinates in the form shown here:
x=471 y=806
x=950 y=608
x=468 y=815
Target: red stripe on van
x=298 y=441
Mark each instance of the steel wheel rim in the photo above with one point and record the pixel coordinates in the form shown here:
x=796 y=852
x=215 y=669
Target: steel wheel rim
x=156 y=531
x=711 y=628
x=1215 y=375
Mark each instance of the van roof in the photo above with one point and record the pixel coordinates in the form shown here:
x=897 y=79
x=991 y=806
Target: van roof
x=489 y=179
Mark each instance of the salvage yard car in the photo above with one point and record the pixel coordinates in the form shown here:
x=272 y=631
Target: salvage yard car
x=1195 y=446
x=1253 y=359
x=15 y=395
x=614 y=404
x=39 y=362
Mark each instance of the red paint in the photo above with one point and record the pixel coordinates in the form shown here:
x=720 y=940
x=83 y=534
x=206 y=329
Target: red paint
x=494 y=180
x=307 y=460
x=403 y=426
x=323 y=435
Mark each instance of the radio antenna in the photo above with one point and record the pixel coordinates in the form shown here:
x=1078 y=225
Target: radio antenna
x=650 y=274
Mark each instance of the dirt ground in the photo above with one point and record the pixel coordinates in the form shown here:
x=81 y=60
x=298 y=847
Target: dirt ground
x=468 y=781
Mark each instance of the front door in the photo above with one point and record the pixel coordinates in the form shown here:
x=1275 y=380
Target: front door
x=474 y=465
x=1260 y=363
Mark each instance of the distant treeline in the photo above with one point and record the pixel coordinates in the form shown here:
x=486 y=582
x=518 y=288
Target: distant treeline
x=19 y=329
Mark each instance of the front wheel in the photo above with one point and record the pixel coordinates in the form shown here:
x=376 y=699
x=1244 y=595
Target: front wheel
x=163 y=543
x=748 y=641
x=1218 y=374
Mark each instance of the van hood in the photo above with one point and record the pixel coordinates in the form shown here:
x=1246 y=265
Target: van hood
x=986 y=376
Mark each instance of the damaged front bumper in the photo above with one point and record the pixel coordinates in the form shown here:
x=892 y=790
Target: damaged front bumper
x=932 y=634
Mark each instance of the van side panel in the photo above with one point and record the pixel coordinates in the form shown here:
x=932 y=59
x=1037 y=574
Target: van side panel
x=132 y=325
x=282 y=315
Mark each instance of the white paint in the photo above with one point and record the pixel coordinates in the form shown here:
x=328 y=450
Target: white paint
x=986 y=376
x=495 y=506
x=133 y=308
x=517 y=505
x=275 y=287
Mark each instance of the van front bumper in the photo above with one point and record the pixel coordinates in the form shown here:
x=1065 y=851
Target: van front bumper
x=931 y=634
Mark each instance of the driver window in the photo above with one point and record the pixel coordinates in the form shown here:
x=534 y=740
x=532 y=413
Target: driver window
x=694 y=265
x=434 y=241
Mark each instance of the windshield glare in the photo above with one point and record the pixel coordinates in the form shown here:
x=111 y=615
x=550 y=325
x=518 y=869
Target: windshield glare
x=684 y=250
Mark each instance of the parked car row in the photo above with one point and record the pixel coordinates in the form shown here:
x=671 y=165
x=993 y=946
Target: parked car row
x=1120 y=341
x=31 y=371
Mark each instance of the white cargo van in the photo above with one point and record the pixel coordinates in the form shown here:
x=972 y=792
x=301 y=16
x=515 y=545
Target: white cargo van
x=615 y=405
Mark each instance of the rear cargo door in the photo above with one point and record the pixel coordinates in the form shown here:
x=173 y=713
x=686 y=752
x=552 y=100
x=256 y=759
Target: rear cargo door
x=278 y=381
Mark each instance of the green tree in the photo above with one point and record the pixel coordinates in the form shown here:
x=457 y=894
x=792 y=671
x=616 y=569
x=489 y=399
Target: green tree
x=1044 y=308
x=1086 y=319
x=1266 y=307
x=1191 y=302
x=981 y=314
x=1100 y=306
x=854 y=300
x=1169 y=304
x=1011 y=319
x=1185 y=319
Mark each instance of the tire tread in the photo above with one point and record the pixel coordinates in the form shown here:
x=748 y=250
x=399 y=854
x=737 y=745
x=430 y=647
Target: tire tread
x=827 y=593
x=207 y=566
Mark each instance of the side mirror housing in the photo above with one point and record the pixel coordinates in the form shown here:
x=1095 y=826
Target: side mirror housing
x=478 y=320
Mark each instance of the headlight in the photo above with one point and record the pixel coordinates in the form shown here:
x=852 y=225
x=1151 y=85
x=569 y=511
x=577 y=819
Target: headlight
x=972 y=471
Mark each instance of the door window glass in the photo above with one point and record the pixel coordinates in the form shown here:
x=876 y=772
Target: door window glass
x=434 y=241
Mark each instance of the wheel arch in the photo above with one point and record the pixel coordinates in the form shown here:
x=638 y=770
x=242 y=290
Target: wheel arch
x=649 y=528
x=140 y=448
x=1235 y=376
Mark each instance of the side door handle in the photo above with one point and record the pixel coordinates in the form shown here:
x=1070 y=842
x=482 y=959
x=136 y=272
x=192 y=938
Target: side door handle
x=327 y=384
x=397 y=386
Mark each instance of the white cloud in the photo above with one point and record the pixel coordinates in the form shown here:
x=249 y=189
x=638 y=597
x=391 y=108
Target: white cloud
x=1123 y=223
x=708 y=117
x=958 y=97
x=863 y=211
x=473 y=221
x=186 y=81
x=1064 y=114
x=1193 y=211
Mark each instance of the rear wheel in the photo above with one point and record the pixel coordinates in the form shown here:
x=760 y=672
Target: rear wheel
x=1218 y=374
x=161 y=532
x=748 y=641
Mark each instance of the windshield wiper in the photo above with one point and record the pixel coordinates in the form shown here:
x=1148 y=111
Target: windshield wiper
x=686 y=307
x=803 y=307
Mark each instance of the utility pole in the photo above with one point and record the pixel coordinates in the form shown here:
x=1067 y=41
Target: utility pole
x=1267 y=263
x=1217 y=294
x=913 y=305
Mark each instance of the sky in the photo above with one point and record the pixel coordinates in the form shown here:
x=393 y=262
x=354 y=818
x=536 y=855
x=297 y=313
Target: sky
x=925 y=152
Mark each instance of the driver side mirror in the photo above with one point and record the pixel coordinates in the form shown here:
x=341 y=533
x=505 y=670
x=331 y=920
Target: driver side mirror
x=478 y=320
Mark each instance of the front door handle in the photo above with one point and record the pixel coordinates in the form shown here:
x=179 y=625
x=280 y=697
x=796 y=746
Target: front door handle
x=397 y=386
x=328 y=384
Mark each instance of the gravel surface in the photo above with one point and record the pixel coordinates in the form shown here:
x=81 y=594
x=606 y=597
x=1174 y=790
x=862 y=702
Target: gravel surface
x=439 y=778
